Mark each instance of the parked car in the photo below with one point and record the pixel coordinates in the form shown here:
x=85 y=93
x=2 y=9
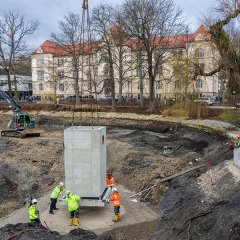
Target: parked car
x=205 y=100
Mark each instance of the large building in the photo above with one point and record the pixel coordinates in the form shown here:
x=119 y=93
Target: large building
x=24 y=85
x=53 y=75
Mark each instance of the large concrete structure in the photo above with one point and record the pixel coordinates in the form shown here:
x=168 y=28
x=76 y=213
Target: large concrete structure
x=236 y=157
x=85 y=162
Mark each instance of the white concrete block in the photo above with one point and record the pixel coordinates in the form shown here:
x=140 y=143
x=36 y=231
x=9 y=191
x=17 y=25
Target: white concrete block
x=85 y=162
x=236 y=157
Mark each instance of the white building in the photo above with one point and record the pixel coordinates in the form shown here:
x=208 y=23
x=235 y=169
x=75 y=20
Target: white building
x=52 y=75
x=24 y=85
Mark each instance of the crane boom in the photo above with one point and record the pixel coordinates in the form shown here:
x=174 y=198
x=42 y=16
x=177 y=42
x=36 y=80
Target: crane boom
x=11 y=102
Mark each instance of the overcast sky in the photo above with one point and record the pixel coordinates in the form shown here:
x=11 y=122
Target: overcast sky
x=49 y=12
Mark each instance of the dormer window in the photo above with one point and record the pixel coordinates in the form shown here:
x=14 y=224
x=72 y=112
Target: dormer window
x=39 y=50
x=199 y=37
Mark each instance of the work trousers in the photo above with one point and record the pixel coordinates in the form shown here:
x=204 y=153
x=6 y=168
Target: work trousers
x=53 y=204
x=37 y=220
x=74 y=214
x=116 y=210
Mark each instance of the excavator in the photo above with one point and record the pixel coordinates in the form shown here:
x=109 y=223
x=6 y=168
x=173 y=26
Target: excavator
x=21 y=125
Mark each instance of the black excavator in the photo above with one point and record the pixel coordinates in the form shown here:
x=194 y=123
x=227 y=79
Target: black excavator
x=21 y=125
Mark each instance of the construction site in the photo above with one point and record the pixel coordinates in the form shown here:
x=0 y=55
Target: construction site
x=177 y=179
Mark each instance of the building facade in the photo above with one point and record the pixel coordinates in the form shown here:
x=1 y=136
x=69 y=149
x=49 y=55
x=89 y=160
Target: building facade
x=24 y=85
x=53 y=75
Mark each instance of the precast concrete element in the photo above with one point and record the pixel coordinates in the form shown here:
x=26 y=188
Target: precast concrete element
x=236 y=157
x=85 y=162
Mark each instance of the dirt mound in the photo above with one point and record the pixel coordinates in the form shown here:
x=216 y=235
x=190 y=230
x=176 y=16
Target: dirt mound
x=32 y=231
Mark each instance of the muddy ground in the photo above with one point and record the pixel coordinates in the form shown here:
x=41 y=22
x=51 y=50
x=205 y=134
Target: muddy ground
x=188 y=207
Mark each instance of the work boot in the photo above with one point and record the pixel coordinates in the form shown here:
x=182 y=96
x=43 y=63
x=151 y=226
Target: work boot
x=51 y=212
x=116 y=218
x=55 y=208
x=76 y=222
x=71 y=221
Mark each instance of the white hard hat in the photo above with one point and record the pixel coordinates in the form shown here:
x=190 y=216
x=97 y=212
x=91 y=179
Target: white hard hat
x=67 y=192
x=34 y=201
x=61 y=184
x=114 y=189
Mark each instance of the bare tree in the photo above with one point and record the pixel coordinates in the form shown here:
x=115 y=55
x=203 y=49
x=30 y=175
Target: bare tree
x=103 y=20
x=13 y=31
x=221 y=24
x=69 y=40
x=152 y=22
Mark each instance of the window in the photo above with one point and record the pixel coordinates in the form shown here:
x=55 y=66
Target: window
x=74 y=74
x=40 y=75
x=60 y=62
x=96 y=71
x=106 y=71
x=158 y=85
x=199 y=53
x=60 y=74
x=199 y=83
x=29 y=86
x=61 y=87
x=177 y=84
x=159 y=69
x=40 y=62
x=201 y=67
x=140 y=71
x=40 y=87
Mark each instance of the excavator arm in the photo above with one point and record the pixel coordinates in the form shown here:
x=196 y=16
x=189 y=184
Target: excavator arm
x=15 y=107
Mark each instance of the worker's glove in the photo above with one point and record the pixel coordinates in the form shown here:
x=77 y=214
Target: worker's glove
x=81 y=198
x=107 y=200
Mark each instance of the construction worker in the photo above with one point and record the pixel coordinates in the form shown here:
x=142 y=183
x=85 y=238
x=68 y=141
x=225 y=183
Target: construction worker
x=55 y=194
x=109 y=183
x=73 y=207
x=115 y=199
x=110 y=180
x=33 y=211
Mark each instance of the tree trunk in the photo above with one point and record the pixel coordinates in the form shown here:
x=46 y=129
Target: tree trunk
x=9 y=84
x=112 y=88
x=15 y=87
x=141 y=89
x=120 y=79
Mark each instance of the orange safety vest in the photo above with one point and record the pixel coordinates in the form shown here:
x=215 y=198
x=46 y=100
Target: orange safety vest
x=110 y=182
x=115 y=198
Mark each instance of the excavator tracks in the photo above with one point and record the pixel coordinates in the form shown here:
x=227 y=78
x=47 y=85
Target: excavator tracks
x=19 y=134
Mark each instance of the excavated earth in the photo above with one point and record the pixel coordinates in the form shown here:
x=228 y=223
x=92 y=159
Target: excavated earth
x=195 y=205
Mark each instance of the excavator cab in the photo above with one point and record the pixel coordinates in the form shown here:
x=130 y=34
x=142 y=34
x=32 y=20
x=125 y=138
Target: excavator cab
x=23 y=121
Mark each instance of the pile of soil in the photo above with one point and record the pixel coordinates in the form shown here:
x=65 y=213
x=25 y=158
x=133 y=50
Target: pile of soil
x=32 y=231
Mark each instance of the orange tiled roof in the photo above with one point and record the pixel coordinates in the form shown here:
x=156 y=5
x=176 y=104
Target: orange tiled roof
x=178 y=41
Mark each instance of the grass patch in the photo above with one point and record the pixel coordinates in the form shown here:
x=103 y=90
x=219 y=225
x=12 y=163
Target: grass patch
x=191 y=110
x=232 y=115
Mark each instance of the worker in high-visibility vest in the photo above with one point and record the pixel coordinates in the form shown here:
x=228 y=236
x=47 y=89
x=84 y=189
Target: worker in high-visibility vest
x=33 y=211
x=110 y=180
x=54 y=196
x=115 y=199
x=109 y=184
x=73 y=207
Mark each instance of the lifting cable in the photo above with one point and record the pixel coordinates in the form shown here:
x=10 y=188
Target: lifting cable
x=87 y=51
